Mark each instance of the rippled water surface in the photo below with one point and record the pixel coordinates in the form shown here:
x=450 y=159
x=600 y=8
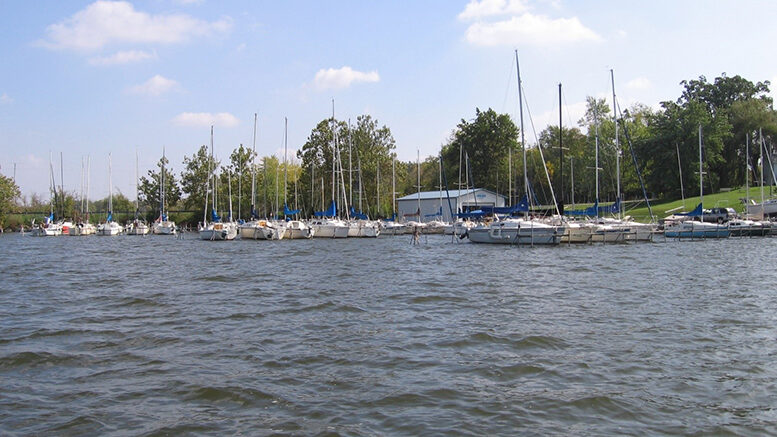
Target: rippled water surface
x=154 y=336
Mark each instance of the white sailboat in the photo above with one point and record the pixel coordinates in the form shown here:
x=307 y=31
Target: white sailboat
x=216 y=229
x=110 y=227
x=49 y=228
x=137 y=226
x=697 y=229
x=83 y=226
x=163 y=225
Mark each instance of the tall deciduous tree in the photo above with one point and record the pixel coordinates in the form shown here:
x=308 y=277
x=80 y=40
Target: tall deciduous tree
x=195 y=176
x=487 y=141
x=149 y=187
x=9 y=193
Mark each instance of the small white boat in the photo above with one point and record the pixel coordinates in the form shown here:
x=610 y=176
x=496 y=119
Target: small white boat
x=109 y=228
x=392 y=228
x=329 y=228
x=298 y=230
x=164 y=227
x=695 y=229
x=218 y=231
x=262 y=230
x=137 y=227
x=363 y=229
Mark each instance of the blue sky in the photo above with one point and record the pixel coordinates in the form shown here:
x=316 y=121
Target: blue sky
x=89 y=78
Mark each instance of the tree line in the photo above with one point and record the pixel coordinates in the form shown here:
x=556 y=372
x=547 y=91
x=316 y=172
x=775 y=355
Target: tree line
x=356 y=163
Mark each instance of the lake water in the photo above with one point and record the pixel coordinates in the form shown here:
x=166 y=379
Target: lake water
x=155 y=336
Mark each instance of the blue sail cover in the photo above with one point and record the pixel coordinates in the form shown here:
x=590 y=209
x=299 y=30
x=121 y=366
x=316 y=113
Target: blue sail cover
x=522 y=206
x=357 y=215
x=331 y=212
x=596 y=210
x=393 y=218
x=110 y=216
x=50 y=218
x=254 y=215
x=287 y=211
x=695 y=213
x=438 y=213
x=213 y=216
x=472 y=214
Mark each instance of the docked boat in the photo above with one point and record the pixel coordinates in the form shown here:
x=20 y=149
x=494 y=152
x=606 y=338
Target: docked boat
x=262 y=230
x=216 y=229
x=363 y=229
x=693 y=229
x=163 y=225
x=297 y=230
x=137 y=227
x=109 y=227
x=516 y=231
x=329 y=228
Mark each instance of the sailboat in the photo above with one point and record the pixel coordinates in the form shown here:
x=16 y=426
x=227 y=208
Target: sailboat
x=391 y=226
x=163 y=225
x=327 y=224
x=292 y=228
x=110 y=227
x=49 y=228
x=690 y=228
x=216 y=229
x=83 y=226
x=767 y=207
x=137 y=226
x=523 y=230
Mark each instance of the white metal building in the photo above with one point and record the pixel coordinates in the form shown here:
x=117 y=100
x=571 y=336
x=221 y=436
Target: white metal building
x=428 y=204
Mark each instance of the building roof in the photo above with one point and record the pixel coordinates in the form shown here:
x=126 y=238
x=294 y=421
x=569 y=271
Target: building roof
x=426 y=195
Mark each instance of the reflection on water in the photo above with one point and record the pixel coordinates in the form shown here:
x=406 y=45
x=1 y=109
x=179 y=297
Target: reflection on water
x=154 y=335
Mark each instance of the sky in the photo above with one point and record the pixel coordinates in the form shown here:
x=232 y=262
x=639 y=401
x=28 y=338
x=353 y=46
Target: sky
x=89 y=79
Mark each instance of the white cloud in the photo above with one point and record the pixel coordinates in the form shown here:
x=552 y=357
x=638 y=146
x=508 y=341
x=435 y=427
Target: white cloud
x=530 y=29
x=200 y=119
x=486 y=8
x=639 y=83
x=123 y=57
x=5 y=99
x=155 y=86
x=104 y=23
x=342 y=78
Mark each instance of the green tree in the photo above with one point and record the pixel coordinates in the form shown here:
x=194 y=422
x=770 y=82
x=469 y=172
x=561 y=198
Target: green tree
x=198 y=169
x=149 y=187
x=9 y=193
x=486 y=141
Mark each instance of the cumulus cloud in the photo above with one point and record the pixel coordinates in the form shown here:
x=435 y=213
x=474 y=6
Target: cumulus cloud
x=530 y=29
x=123 y=57
x=104 y=23
x=486 y=8
x=155 y=86
x=200 y=119
x=639 y=83
x=342 y=78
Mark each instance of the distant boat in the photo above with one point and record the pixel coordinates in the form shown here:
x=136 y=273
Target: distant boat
x=110 y=227
x=137 y=226
x=686 y=226
x=163 y=225
x=216 y=229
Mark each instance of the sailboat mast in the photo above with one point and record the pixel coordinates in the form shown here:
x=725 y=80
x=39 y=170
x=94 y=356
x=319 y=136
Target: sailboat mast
x=617 y=145
x=747 y=171
x=162 y=189
x=561 y=156
x=701 y=177
x=253 y=171
x=523 y=142
x=761 y=167
x=214 y=168
x=418 y=164
x=680 y=169
x=110 y=186
x=137 y=189
x=596 y=164
x=350 y=167
x=88 y=169
x=62 y=184
x=285 y=157
x=393 y=187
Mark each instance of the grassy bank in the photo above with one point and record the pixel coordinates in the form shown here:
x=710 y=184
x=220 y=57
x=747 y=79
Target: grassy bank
x=728 y=199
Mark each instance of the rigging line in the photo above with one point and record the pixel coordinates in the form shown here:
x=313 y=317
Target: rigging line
x=508 y=87
x=566 y=106
x=547 y=174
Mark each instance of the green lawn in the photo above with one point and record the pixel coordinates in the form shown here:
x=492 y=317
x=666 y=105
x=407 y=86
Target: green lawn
x=729 y=199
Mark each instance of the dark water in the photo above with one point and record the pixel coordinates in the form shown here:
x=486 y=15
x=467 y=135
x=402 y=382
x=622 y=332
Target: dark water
x=157 y=336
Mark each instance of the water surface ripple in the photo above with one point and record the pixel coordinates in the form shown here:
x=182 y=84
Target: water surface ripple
x=158 y=336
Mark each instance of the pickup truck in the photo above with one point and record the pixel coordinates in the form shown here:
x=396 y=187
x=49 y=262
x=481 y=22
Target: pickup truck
x=719 y=215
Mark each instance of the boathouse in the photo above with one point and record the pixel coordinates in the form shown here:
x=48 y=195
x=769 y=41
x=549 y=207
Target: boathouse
x=433 y=205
